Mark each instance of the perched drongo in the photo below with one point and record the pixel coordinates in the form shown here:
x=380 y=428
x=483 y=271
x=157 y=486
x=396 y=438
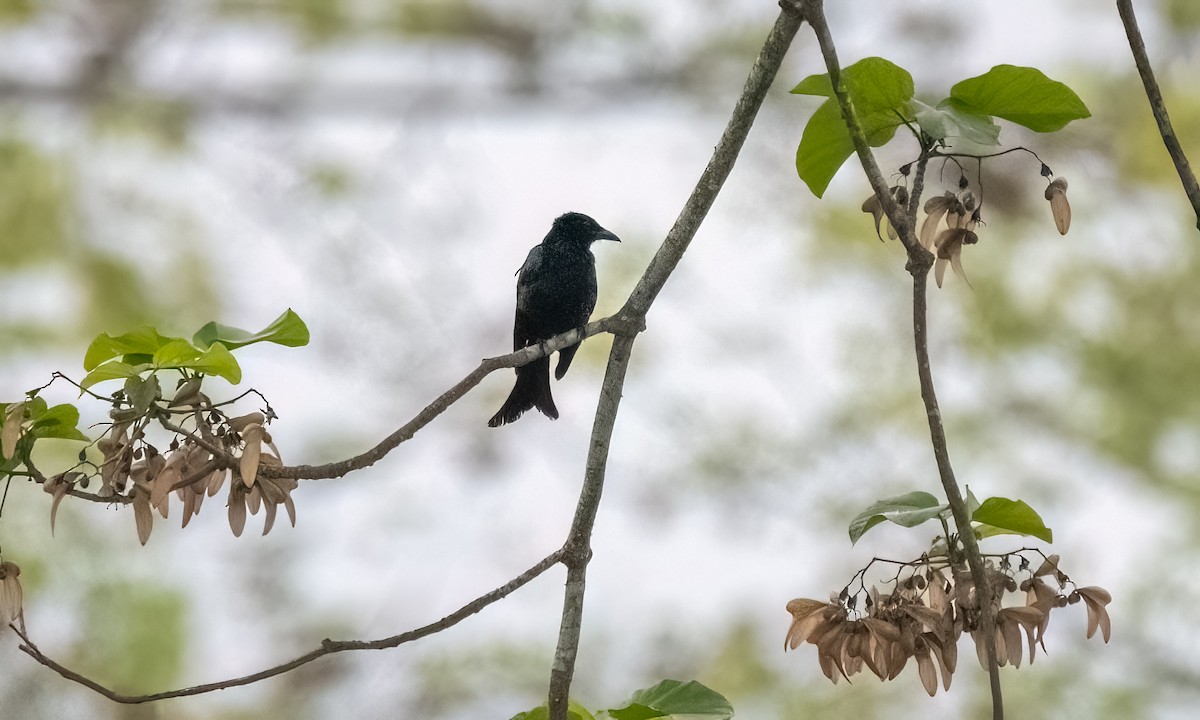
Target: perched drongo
x=556 y=292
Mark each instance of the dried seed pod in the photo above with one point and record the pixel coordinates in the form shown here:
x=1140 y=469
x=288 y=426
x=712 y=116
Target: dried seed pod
x=11 y=596
x=248 y=465
x=243 y=421
x=237 y=510
x=143 y=517
x=188 y=393
x=1056 y=193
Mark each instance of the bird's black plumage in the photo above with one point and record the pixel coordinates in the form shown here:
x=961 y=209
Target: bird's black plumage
x=556 y=292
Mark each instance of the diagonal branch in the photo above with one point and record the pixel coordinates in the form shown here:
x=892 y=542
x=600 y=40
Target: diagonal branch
x=328 y=647
x=1157 y=106
x=578 y=545
x=440 y=405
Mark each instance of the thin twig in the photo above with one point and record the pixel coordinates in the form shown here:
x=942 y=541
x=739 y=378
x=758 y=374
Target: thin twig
x=1158 y=106
x=578 y=546
x=328 y=647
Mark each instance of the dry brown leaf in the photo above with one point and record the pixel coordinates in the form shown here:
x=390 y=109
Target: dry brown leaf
x=935 y=209
x=142 y=515
x=806 y=614
x=237 y=512
x=57 y=487
x=216 y=480
x=927 y=670
x=1096 y=599
x=248 y=465
x=14 y=417
x=270 y=518
x=1049 y=566
x=242 y=422
x=11 y=596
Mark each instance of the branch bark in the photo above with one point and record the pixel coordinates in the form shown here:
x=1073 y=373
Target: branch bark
x=328 y=647
x=577 y=550
x=1158 y=106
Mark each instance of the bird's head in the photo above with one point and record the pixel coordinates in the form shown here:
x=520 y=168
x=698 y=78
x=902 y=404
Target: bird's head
x=579 y=228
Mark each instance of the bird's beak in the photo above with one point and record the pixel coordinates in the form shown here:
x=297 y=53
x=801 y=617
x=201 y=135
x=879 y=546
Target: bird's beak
x=606 y=235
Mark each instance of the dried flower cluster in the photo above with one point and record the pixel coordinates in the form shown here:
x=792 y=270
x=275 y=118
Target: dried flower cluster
x=926 y=614
x=194 y=466
x=951 y=220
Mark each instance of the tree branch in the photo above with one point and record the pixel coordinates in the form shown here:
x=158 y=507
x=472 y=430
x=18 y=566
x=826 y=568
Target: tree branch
x=577 y=550
x=328 y=647
x=1157 y=106
x=920 y=261
x=438 y=406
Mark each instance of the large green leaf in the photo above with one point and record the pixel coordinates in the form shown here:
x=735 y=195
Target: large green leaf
x=287 y=329
x=1023 y=95
x=216 y=360
x=60 y=421
x=142 y=341
x=1001 y=516
x=908 y=510
x=113 y=371
x=879 y=92
x=675 y=700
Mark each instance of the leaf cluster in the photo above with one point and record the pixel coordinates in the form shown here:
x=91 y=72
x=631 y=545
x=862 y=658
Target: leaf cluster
x=882 y=96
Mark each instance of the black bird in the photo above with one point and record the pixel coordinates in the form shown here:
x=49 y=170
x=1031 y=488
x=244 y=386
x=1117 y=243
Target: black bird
x=556 y=292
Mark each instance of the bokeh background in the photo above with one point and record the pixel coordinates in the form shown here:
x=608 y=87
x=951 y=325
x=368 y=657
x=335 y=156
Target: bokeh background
x=383 y=166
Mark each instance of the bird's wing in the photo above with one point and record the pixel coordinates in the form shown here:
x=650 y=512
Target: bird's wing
x=522 y=330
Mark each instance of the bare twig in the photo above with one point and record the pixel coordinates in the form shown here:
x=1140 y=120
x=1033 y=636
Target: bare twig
x=1158 y=106
x=578 y=546
x=328 y=647
x=919 y=264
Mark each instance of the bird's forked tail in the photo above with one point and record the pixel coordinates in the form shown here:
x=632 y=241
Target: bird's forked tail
x=531 y=391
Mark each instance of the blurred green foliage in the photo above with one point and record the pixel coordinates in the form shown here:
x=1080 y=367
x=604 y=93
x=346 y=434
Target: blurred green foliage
x=134 y=635
x=36 y=197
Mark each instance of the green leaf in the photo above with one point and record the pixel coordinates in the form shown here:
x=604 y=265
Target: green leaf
x=575 y=711
x=141 y=393
x=1023 y=95
x=1011 y=517
x=60 y=421
x=287 y=329
x=216 y=361
x=879 y=93
x=908 y=510
x=142 y=341
x=675 y=699
x=972 y=502
x=112 y=371
x=950 y=120
x=814 y=85
x=176 y=353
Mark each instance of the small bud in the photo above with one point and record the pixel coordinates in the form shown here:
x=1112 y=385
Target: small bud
x=1046 y=170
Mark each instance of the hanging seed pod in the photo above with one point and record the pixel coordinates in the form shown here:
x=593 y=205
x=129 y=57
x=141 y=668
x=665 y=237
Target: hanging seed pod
x=1056 y=193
